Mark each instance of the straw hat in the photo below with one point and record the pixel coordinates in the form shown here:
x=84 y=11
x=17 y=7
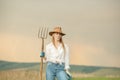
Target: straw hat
x=57 y=30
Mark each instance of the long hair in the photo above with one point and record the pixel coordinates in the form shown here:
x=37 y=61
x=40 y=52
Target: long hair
x=61 y=41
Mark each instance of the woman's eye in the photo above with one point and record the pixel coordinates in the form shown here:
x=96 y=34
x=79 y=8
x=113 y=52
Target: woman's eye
x=57 y=33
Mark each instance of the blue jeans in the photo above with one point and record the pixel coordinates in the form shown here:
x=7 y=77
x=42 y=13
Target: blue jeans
x=55 y=70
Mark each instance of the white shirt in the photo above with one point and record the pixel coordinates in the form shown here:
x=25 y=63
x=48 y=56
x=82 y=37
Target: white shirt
x=57 y=54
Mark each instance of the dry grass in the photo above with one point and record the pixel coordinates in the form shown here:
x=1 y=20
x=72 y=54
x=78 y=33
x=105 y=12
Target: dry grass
x=20 y=75
x=25 y=75
x=35 y=75
x=78 y=75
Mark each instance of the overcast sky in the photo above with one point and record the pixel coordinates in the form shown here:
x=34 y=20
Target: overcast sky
x=92 y=28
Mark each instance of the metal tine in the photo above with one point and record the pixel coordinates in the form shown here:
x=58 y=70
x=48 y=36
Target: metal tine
x=45 y=33
x=39 y=33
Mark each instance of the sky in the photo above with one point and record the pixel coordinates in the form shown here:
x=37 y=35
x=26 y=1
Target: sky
x=91 y=27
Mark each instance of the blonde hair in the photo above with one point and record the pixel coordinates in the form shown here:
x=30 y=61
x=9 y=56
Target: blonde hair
x=61 y=41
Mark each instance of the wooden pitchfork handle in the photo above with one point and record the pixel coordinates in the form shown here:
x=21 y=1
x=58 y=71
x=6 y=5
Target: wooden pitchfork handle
x=41 y=64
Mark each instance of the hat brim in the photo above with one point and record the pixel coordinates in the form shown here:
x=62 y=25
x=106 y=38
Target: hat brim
x=50 y=33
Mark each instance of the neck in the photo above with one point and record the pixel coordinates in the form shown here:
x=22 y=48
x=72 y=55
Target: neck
x=57 y=43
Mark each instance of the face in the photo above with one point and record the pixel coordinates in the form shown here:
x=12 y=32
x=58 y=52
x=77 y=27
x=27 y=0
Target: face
x=57 y=36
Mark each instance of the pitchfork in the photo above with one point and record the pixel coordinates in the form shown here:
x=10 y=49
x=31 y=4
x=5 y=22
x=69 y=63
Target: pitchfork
x=42 y=33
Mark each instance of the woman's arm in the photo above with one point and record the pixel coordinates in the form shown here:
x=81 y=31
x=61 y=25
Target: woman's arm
x=67 y=58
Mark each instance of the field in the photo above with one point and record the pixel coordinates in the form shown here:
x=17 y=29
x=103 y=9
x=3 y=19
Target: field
x=34 y=75
x=30 y=71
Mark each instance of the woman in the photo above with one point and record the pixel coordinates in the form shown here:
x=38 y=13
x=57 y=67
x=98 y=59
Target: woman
x=57 y=56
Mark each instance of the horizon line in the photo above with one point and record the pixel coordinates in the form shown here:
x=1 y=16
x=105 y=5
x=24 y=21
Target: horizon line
x=70 y=64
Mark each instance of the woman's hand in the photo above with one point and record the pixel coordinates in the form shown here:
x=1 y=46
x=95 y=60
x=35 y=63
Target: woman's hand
x=67 y=71
x=42 y=54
